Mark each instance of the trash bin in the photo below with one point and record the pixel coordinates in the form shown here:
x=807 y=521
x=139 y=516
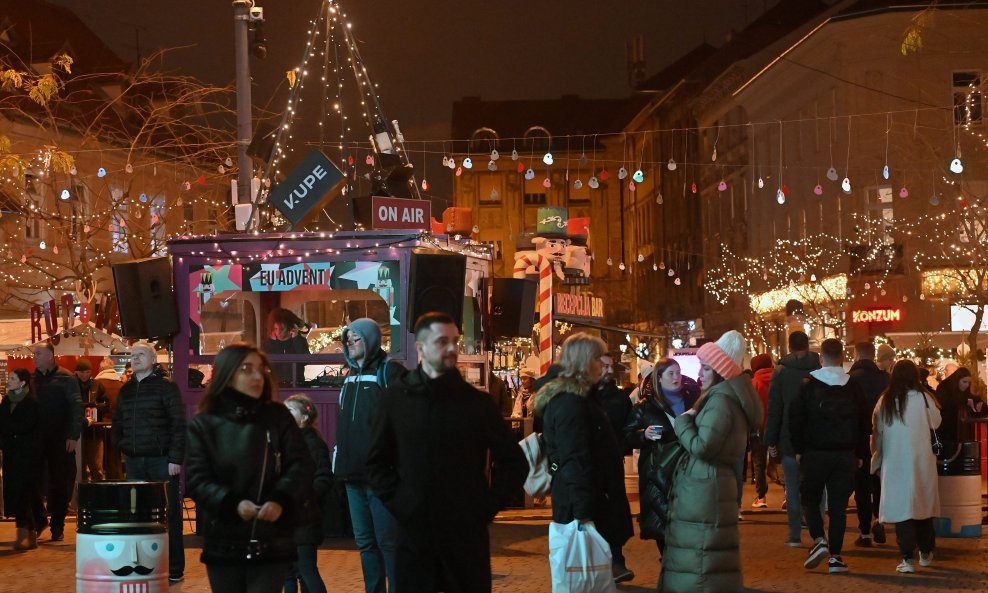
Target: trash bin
x=959 y=469
x=122 y=542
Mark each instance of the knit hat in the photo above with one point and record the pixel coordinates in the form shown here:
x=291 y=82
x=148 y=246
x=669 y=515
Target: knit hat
x=762 y=361
x=83 y=364
x=725 y=356
x=885 y=352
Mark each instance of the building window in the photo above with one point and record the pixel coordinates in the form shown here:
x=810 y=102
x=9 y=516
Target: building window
x=881 y=215
x=32 y=228
x=534 y=199
x=118 y=229
x=158 y=239
x=483 y=140
x=537 y=139
x=967 y=97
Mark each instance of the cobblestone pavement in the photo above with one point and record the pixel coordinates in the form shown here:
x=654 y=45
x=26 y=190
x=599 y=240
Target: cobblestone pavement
x=519 y=545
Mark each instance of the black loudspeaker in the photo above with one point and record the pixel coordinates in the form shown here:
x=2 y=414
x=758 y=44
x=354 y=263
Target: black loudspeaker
x=145 y=298
x=513 y=307
x=437 y=283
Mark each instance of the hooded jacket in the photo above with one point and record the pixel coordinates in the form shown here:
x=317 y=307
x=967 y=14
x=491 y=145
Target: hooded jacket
x=702 y=552
x=761 y=380
x=872 y=380
x=149 y=419
x=588 y=482
x=831 y=414
x=360 y=398
x=786 y=384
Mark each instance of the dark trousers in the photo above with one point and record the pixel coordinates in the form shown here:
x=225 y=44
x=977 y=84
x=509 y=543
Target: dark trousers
x=305 y=572
x=92 y=454
x=247 y=578
x=155 y=469
x=915 y=533
x=867 y=495
x=759 y=459
x=60 y=468
x=30 y=514
x=833 y=470
x=455 y=561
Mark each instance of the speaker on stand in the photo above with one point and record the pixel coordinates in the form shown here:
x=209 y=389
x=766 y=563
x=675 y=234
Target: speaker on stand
x=145 y=298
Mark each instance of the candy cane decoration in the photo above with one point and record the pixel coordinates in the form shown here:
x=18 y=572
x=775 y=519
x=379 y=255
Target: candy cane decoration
x=544 y=266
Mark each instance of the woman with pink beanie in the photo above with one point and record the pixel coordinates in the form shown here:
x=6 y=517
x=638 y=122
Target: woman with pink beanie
x=702 y=538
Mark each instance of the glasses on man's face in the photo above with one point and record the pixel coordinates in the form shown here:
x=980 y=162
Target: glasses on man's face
x=249 y=369
x=351 y=340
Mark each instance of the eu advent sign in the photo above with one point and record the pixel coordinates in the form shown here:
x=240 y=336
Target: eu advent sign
x=306 y=187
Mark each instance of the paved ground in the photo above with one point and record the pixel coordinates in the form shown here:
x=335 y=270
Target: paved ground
x=520 y=565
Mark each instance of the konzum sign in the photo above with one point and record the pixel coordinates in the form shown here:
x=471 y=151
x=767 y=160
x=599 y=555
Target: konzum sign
x=876 y=315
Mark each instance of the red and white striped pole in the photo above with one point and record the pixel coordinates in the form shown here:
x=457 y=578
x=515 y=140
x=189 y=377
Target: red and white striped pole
x=544 y=266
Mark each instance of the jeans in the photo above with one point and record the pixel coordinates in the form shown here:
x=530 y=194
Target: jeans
x=374 y=529
x=833 y=471
x=867 y=496
x=155 y=469
x=914 y=533
x=790 y=469
x=61 y=480
x=305 y=570
x=247 y=578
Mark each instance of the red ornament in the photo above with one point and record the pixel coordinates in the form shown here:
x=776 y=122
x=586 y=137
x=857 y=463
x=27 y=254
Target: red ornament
x=349 y=160
x=603 y=175
x=521 y=167
x=201 y=180
x=785 y=190
x=693 y=187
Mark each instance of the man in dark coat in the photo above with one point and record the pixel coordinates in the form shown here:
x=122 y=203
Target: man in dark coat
x=93 y=398
x=787 y=382
x=867 y=486
x=436 y=487
x=61 y=426
x=149 y=430
x=369 y=372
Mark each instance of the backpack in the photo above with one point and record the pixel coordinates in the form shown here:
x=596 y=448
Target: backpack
x=538 y=483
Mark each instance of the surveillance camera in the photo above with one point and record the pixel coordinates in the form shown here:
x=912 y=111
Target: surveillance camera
x=256 y=13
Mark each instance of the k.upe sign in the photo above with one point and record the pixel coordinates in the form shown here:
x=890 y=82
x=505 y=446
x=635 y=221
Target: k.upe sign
x=306 y=187
x=396 y=213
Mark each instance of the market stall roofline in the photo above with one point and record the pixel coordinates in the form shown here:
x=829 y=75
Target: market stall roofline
x=613 y=328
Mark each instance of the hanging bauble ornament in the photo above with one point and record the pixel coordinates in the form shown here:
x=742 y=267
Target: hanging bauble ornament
x=577 y=184
x=494 y=194
x=23 y=259
x=101 y=172
x=521 y=167
x=475 y=229
x=622 y=173
x=43 y=245
x=73 y=171
x=922 y=297
x=658 y=198
x=632 y=186
x=137 y=213
x=956 y=166
x=468 y=163
x=604 y=175
x=546 y=183
x=179 y=201
x=671 y=272
x=622 y=267
x=713 y=155
x=677 y=281
x=228 y=162
x=846 y=185
x=529 y=175
x=832 y=174
x=491 y=166
x=547 y=158
x=818 y=190
x=154 y=219
x=780 y=197
x=65 y=195
x=495 y=155
x=54 y=249
x=514 y=155
x=85 y=228
x=867 y=286
x=903 y=193
x=425 y=185
x=593 y=183
x=610 y=262
x=934 y=200
x=221 y=169
x=761 y=183
x=369 y=160
x=445 y=161
x=129 y=168
x=452 y=163
x=905 y=299
x=883 y=292
x=641 y=258
x=662 y=265
x=885 y=172
x=583 y=160
x=671 y=165
x=722 y=186
x=693 y=187
x=459 y=171
x=350 y=161
x=655 y=267
x=638 y=176
x=201 y=180
x=143 y=198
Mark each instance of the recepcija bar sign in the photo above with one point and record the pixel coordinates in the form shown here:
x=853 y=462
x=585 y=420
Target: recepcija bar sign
x=579 y=305
x=876 y=315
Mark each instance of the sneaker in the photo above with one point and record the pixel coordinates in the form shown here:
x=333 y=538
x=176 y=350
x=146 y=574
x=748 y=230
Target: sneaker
x=621 y=573
x=905 y=566
x=176 y=578
x=863 y=541
x=759 y=503
x=925 y=558
x=57 y=535
x=836 y=564
x=794 y=543
x=878 y=533
x=817 y=552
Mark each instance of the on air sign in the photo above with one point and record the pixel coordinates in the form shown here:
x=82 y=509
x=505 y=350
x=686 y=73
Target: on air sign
x=891 y=314
x=396 y=213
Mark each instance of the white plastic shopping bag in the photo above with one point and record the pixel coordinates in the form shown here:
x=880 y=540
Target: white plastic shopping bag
x=579 y=559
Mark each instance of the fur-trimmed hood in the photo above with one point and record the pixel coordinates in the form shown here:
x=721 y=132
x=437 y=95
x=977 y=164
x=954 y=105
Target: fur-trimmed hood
x=557 y=386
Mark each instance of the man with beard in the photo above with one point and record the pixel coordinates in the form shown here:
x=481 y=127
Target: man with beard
x=436 y=487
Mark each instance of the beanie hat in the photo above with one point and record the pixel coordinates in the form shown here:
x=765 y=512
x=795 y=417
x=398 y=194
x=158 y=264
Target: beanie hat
x=83 y=364
x=762 y=361
x=725 y=356
x=885 y=352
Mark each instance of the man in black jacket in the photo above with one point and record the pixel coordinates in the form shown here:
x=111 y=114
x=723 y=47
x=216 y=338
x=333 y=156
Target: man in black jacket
x=867 y=486
x=61 y=426
x=829 y=426
x=369 y=373
x=149 y=430
x=94 y=398
x=436 y=486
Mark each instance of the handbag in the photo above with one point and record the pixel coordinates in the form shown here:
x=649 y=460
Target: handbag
x=934 y=437
x=670 y=456
x=538 y=483
x=579 y=559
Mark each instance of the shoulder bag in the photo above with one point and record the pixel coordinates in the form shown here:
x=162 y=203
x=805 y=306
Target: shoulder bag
x=934 y=437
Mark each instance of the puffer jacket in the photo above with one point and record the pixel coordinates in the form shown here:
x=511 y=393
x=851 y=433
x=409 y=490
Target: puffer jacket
x=787 y=382
x=246 y=449
x=702 y=538
x=589 y=480
x=149 y=419
x=654 y=505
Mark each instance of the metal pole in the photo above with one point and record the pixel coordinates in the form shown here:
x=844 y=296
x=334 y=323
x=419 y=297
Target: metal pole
x=241 y=19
